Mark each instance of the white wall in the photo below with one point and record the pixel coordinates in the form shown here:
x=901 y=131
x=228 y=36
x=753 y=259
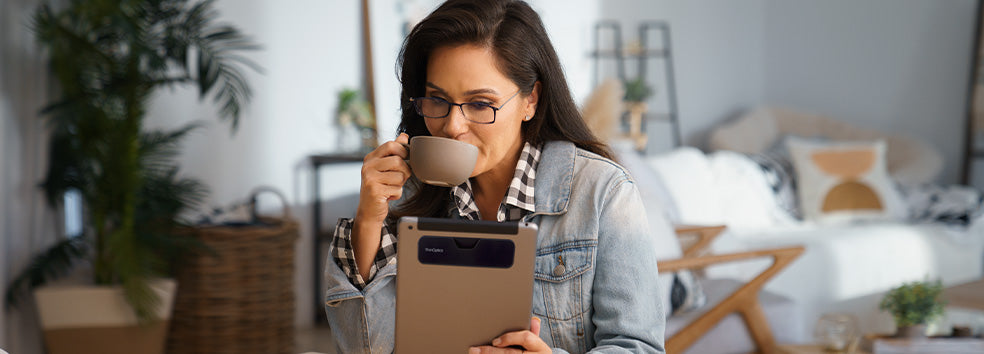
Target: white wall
x=719 y=50
x=27 y=226
x=895 y=66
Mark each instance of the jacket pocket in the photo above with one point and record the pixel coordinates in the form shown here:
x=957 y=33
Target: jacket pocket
x=563 y=277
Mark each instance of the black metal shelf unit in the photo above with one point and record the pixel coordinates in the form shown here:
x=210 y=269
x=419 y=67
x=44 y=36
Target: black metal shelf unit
x=645 y=53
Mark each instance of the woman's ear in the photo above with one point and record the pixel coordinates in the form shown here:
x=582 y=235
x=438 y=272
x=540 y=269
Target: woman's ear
x=532 y=100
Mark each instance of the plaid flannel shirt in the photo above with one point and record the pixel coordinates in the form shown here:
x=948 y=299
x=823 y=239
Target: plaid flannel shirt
x=517 y=203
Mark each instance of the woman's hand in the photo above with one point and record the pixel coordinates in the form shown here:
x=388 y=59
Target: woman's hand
x=384 y=172
x=529 y=340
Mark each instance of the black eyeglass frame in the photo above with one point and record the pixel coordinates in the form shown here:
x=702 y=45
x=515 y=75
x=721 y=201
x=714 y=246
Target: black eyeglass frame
x=495 y=110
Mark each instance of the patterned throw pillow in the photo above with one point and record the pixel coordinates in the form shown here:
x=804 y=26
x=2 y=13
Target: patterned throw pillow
x=778 y=170
x=844 y=181
x=687 y=294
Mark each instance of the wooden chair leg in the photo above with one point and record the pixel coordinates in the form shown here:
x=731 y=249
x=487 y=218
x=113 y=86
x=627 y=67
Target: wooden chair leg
x=758 y=327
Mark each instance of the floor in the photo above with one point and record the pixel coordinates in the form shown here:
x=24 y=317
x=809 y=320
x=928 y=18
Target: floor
x=312 y=340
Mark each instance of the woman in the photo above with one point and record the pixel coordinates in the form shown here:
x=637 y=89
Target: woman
x=484 y=72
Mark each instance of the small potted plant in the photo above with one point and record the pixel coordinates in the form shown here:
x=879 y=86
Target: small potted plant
x=913 y=305
x=355 y=111
x=636 y=93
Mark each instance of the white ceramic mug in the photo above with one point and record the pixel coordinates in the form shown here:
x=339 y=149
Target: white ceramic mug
x=441 y=161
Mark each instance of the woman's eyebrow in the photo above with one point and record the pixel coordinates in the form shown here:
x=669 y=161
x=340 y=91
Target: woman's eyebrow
x=438 y=88
x=467 y=93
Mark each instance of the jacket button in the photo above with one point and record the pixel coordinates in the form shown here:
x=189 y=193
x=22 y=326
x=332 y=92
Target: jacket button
x=559 y=270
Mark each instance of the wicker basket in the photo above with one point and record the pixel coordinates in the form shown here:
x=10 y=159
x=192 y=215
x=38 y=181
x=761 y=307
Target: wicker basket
x=239 y=299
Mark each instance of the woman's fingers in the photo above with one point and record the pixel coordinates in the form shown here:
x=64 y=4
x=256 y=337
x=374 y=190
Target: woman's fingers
x=396 y=147
x=392 y=164
x=493 y=350
x=525 y=339
x=535 y=325
x=384 y=172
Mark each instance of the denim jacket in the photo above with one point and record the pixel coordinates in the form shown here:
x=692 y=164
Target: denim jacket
x=603 y=299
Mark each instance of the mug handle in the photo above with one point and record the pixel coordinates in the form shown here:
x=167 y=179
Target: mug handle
x=406 y=146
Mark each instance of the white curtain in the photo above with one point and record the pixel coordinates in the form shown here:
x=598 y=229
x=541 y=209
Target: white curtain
x=26 y=224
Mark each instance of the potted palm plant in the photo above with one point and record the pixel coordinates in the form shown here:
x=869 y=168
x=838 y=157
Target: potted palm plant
x=108 y=57
x=913 y=306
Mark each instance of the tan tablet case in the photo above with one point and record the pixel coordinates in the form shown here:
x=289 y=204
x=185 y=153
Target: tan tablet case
x=459 y=284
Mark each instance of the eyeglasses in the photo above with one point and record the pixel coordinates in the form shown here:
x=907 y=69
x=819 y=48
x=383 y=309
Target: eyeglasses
x=478 y=112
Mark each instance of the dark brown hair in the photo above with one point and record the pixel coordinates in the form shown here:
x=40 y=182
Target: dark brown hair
x=515 y=34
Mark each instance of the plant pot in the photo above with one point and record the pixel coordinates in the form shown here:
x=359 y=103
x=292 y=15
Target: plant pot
x=911 y=332
x=98 y=320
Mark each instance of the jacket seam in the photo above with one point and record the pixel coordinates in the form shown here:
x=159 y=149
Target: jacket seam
x=367 y=347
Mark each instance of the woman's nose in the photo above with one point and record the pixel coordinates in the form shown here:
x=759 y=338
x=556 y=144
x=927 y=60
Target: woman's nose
x=455 y=123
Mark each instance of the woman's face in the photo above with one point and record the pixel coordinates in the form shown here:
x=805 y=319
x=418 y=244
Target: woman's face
x=469 y=73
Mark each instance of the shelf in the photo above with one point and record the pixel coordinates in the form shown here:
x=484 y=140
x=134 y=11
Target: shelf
x=651 y=53
x=658 y=117
x=326 y=159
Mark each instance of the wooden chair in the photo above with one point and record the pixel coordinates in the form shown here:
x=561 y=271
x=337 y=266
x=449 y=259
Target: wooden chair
x=744 y=301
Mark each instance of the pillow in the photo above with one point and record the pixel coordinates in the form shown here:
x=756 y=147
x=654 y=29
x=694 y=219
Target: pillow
x=777 y=168
x=744 y=194
x=844 y=181
x=651 y=187
x=687 y=174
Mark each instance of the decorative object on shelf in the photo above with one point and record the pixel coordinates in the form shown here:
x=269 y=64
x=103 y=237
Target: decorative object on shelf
x=913 y=305
x=837 y=333
x=108 y=59
x=636 y=93
x=603 y=108
x=355 y=113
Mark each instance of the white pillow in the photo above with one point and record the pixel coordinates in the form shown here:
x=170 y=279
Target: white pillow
x=655 y=195
x=688 y=176
x=746 y=200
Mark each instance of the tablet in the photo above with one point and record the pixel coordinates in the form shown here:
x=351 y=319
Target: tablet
x=461 y=283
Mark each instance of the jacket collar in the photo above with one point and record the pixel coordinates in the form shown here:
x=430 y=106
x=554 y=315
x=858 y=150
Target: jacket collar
x=554 y=176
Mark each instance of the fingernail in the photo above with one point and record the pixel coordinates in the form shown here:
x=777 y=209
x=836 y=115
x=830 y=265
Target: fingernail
x=496 y=342
x=473 y=350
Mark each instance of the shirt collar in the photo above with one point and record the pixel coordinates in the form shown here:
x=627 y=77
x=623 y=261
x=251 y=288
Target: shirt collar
x=519 y=195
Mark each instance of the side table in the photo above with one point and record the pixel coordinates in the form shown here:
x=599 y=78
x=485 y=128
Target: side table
x=967 y=295
x=319 y=234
